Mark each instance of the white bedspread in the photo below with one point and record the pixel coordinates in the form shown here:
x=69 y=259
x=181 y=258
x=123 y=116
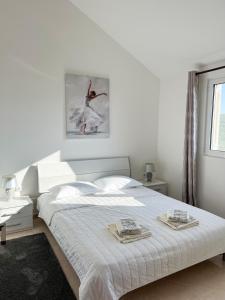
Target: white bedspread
x=108 y=269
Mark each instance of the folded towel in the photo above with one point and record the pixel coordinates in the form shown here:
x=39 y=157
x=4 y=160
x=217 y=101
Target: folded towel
x=124 y=239
x=128 y=226
x=179 y=225
x=178 y=215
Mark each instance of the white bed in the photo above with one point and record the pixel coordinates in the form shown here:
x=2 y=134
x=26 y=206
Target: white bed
x=107 y=269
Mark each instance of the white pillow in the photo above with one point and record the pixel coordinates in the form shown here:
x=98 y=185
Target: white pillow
x=73 y=189
x=114 y=183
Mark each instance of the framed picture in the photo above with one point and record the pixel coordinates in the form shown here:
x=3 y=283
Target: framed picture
x=87 y=106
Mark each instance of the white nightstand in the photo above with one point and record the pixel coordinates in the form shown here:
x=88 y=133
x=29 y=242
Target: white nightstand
x=16 y=213
x=156 y=185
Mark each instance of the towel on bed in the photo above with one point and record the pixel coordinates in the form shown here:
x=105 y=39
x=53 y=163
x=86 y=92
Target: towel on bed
x=178 y=225
x=128 y=226
x=128 y=238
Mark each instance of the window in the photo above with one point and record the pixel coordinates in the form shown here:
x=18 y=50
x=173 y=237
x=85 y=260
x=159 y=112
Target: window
x=218 y=118
x=215 y=139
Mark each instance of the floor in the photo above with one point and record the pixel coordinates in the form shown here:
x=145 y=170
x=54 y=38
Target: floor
x=203 y=281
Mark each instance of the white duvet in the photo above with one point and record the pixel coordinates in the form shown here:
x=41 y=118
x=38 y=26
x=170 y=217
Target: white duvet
x=108 y=269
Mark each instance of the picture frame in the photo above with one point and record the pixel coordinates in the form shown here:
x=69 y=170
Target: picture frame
x=87 y=106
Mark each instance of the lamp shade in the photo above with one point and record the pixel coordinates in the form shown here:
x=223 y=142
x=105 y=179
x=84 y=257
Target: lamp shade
x=9 y=182
x=149 y=167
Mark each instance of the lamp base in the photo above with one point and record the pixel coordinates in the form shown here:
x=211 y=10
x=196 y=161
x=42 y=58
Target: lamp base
x=10 y=194
x=148 y=176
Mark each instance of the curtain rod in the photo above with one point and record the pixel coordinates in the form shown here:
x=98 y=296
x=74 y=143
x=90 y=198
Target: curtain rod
x=210 y=70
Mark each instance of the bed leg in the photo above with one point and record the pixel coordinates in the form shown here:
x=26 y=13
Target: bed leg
x=223 y=256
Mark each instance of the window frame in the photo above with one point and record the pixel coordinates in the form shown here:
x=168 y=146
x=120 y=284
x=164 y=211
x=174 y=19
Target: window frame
x=209 y=117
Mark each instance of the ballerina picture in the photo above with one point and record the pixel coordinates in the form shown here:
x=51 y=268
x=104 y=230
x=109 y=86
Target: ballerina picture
x=87 y=106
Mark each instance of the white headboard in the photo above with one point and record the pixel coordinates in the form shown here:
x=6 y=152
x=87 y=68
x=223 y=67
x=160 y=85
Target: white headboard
x=51 y=174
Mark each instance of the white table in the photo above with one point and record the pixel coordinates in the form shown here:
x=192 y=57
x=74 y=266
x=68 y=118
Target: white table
x=16 y=213
x=156 y=185
x=3 y=233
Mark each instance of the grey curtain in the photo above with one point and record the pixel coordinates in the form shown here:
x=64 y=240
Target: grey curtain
x=189 y=193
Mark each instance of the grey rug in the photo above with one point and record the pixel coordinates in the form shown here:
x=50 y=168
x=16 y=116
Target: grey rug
x=29 y=270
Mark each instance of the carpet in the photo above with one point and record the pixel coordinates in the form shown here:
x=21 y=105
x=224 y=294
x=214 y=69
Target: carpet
x=29 y=270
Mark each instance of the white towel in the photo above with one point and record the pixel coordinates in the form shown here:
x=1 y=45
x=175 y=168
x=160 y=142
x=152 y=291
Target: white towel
x=124 y=239
x=128 y=226
x=178 y=225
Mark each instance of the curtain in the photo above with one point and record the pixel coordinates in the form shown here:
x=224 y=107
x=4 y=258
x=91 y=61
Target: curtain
x=189 y=193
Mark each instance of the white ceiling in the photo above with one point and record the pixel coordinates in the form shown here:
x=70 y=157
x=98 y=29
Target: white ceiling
x=167 y=36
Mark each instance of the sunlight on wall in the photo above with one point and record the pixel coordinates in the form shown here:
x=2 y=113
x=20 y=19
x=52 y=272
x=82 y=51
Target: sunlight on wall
x=27 y=177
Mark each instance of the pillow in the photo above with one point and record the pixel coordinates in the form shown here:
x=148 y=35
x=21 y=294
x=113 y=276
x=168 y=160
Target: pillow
x=112 y=183
x=73 y=189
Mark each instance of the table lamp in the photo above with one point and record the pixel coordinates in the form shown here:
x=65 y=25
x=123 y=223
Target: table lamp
x=149 y=169
x=9 y=184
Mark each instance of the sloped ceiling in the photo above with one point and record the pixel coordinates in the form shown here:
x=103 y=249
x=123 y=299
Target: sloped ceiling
x=167 y=36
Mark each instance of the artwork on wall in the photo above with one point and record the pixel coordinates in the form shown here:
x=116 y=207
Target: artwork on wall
x=87 y=106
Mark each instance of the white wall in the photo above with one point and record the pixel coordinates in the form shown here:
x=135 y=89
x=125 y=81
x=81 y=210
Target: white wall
x=41 y=41
x=172 y=106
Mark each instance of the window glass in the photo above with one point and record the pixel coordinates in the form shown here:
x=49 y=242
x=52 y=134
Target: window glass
x=218 y=118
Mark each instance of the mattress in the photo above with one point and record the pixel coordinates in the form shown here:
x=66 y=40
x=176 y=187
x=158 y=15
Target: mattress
x=107 y=269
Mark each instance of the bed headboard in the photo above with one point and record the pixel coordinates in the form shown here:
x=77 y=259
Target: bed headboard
x=51 y=174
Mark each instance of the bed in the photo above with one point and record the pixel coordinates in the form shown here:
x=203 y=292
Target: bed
x=107 y=269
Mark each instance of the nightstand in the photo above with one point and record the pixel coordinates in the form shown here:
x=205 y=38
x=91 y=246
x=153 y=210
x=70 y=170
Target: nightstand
x=16 y=213
x=156 y=185
x=3 y=233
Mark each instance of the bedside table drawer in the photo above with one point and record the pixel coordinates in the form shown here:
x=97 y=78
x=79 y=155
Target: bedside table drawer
x=157 y=185
x=18 y=224
x=15 y=212
x=160 y=188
